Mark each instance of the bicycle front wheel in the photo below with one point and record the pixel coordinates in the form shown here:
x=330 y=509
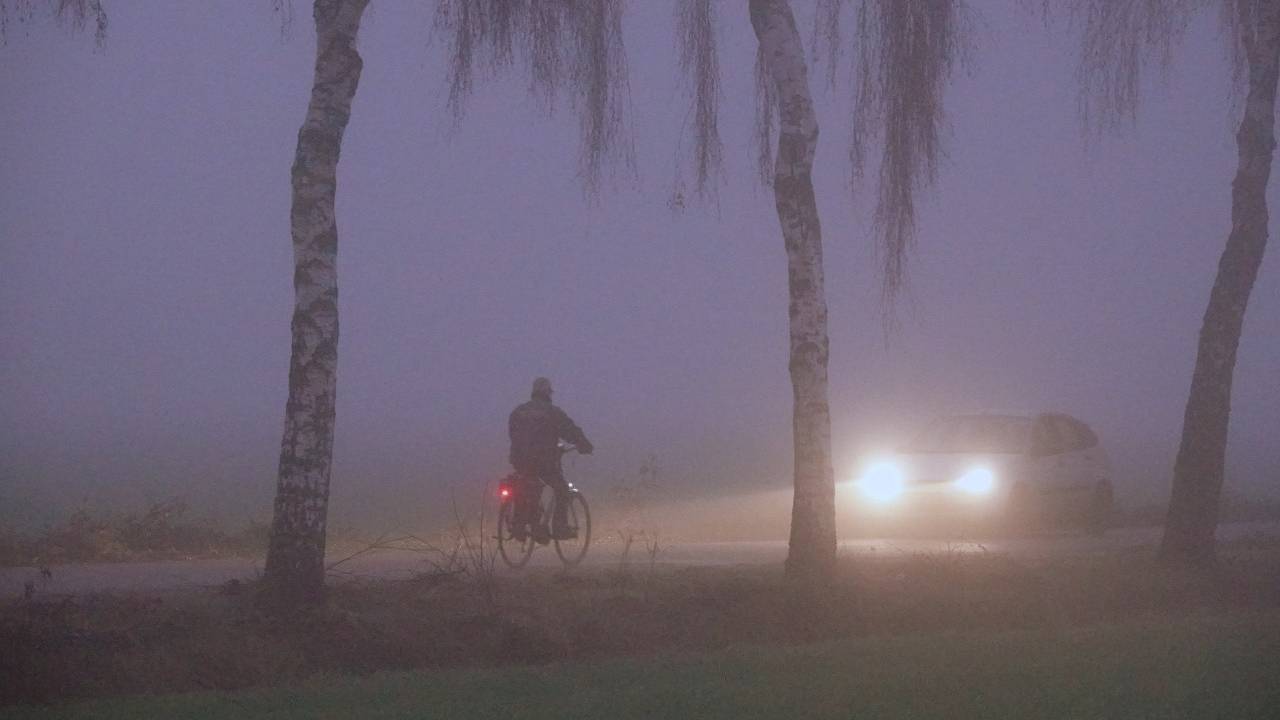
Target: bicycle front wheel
x=571 y=551
x=514 y=551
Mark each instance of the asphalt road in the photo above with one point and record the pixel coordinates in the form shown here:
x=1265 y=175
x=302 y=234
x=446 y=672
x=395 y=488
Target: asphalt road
x=179 y=574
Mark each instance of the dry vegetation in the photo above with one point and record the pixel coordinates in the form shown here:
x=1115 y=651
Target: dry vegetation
x=64 y=648
x=165 y=530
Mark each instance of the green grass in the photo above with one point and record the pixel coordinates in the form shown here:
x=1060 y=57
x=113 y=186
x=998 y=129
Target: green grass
x=1223 y=666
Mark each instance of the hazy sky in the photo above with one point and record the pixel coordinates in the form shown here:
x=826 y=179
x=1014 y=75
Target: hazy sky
x=145 y=268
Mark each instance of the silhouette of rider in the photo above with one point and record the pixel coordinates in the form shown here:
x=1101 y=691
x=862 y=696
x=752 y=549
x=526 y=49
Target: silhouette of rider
x=536 y=427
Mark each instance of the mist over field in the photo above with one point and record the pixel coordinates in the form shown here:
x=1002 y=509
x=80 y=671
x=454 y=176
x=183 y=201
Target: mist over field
x=145 y=270
x=630 y=359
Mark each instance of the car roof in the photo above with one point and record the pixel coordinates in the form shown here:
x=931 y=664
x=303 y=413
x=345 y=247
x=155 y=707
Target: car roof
x=1012 y=415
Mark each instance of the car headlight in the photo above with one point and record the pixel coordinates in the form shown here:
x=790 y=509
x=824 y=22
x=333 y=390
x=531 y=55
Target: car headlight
x=978 y=481
x=882 y=483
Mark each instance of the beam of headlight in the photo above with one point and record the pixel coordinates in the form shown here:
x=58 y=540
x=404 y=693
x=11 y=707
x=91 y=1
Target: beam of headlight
x=882 y=483
x=978 y=481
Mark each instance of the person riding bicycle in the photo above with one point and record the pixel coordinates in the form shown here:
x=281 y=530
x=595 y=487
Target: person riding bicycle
x=536 y=427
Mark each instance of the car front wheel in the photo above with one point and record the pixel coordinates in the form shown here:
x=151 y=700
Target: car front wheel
x=1020 y=513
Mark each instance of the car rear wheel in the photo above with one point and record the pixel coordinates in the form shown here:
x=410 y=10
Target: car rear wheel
x=1099 y=511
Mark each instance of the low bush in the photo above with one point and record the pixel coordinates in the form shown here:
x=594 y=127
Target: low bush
x=165 y=530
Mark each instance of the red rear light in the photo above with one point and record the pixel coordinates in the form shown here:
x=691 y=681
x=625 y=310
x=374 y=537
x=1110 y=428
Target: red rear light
x=505 y=492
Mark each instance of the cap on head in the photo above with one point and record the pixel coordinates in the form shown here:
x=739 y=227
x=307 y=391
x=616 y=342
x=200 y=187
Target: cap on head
x=542 y=388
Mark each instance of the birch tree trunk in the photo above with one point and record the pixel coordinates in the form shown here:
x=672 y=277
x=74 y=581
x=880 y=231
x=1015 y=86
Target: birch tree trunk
x=1198 y=471
x=813 y=521
x=295 y=558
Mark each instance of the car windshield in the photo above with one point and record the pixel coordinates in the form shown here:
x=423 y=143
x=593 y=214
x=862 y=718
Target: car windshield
x=972 y=434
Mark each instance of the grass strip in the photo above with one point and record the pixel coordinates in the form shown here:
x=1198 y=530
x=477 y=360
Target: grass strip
x=1188 y=667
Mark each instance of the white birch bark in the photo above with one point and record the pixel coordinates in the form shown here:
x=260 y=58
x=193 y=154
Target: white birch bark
x=813 y=525
x=295 y=558
x=1198 y=470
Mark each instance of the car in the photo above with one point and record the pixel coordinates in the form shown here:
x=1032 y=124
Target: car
x=1024 y=469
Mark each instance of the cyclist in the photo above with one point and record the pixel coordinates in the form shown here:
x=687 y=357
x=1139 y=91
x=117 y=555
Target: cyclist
x=536 y=427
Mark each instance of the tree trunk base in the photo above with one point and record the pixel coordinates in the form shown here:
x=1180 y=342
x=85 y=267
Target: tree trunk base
x=817 y=568
x=280 y=598
x=1188 y=551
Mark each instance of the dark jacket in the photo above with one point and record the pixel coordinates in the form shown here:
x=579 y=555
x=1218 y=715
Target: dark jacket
x=535 y=427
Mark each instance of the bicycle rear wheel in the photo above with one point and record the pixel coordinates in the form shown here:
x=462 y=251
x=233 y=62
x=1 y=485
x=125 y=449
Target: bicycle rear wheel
x=572 y=551
x=515 y=553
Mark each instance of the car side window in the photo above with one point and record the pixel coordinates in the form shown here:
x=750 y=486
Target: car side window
x=1046 y=439
x=1074 y=434
x=1084 y=437
x=1068 y=437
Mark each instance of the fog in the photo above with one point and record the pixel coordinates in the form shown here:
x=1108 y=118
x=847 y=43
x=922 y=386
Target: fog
x=146 y=267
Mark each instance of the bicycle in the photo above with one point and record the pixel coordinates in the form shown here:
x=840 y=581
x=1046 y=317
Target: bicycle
x=523 y=497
